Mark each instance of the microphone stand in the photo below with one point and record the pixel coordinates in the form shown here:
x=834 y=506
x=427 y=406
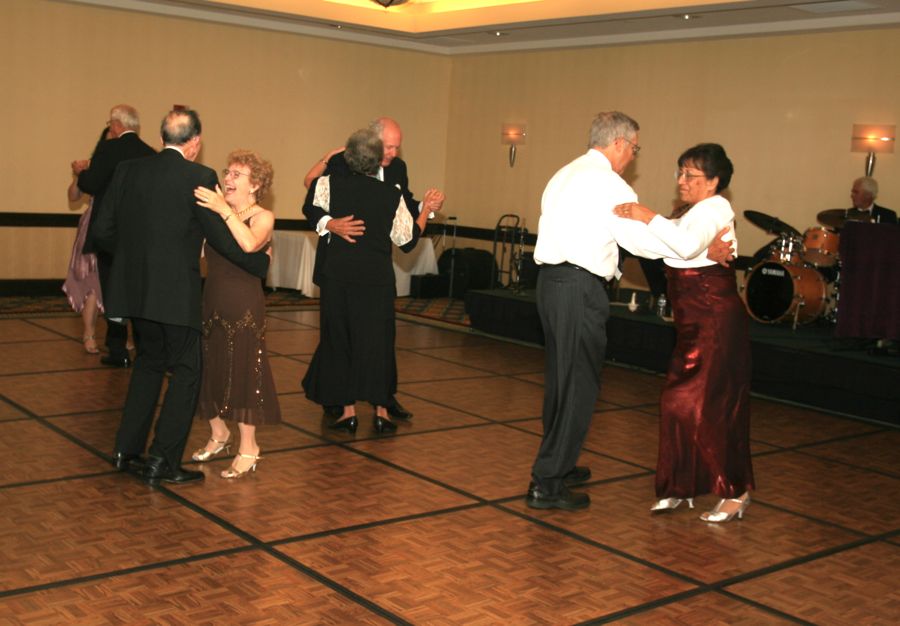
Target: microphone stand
x=452 y=263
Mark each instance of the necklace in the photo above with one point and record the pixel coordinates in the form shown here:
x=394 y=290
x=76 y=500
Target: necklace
x=240 y=214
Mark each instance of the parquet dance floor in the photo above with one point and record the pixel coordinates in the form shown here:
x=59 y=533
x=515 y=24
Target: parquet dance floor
x=428 y=526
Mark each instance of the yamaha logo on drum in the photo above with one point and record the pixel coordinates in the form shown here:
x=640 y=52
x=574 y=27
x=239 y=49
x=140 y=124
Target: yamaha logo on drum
x=772 y=271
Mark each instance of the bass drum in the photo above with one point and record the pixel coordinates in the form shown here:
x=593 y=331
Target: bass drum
x=778 y=292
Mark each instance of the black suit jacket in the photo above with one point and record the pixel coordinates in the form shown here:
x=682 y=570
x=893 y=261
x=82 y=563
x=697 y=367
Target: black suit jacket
x=394 y=175
x=883 y=215
x=95 y=179
x=151 y=224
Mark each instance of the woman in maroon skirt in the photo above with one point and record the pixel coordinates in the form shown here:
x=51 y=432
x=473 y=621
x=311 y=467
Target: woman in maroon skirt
x=704 y=433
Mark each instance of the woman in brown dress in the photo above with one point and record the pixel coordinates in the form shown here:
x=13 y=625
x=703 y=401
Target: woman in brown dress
x=704 y=423
x=237 y=382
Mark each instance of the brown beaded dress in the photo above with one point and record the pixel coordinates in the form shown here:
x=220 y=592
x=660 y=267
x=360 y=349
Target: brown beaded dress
x=236 y=384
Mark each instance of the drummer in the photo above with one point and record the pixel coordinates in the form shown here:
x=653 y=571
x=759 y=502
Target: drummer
x=863 y=194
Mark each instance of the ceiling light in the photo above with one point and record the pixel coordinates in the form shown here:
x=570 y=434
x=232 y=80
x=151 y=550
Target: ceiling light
x=389 y=3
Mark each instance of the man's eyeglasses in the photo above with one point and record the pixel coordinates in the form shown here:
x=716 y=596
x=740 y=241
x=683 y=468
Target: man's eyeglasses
x=687 y=175
x=233 y=173
x=634 y=147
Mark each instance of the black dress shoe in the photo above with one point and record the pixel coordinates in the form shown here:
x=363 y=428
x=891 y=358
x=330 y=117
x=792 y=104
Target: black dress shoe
x=112 y=361
x=398 y=412
x=384 y=425
x=333 y=411
x=577 y=475
x=565 y=499
x=350 y=424
x=125 y=462
x=158 y=470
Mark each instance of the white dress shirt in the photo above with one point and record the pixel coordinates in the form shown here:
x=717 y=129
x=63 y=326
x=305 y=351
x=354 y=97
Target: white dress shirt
x=578 y=226
x=690 y=235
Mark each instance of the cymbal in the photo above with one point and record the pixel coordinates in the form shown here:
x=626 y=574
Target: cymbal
x=836 y=218
x=770 y=224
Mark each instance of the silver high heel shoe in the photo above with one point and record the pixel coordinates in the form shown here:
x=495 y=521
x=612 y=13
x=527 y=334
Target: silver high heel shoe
x=717 y=515
x=670 y=504
x=203 y=455
x=233 y=472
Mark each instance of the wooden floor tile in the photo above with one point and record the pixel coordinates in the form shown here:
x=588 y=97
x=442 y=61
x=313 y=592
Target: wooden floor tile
x=16 y=330
x=619 y=516
x=854 y=498
x=69 y=326
x=415 y=367
x=787 y=426
x=287 y=373
x=9 y=412
x=856 y=586
x=44 y=356
x=274 y=324
x=77 y=391
x=456 y=458
x=30 y=451
x=62 y=530
x=307 y=317
x=302 y=341
x=315 y=490
x=416 y=336
x=482 y=567
x=877 y=451
x=497 y=398
x=627 y=387
x=703 y=610
x=512 y=359
x=242 y=588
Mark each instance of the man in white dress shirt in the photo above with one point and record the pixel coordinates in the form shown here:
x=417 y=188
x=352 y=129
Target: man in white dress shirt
x=577 y=249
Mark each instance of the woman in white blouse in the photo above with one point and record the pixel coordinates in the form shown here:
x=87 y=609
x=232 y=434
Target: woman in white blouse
x=704 y=434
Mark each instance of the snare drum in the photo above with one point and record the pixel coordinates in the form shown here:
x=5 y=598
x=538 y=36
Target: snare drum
x=786 y=249
x=820 y=246
x=778 y=291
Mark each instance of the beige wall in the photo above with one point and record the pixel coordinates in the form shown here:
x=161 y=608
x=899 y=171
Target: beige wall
x=292 y=98
x=782 y=106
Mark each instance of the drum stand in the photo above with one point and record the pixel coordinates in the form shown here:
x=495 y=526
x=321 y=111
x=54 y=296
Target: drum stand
x=452 y=264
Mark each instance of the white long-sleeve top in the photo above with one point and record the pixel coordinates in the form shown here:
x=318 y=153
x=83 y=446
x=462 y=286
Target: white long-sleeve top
x=690 y=235
x=578 y=226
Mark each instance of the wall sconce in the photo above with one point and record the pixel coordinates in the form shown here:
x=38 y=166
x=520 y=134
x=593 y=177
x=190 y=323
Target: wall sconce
x=512 y=135
x=872 y=138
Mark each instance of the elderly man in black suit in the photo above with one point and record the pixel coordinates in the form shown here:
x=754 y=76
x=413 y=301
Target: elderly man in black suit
x=392 y=171
x=863 y=194
x=121 y=143
x=152 y=225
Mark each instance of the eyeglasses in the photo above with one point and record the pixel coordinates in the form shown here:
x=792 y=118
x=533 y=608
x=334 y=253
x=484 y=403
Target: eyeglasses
x=233 y=173
x=634 y=147
x=687 y=175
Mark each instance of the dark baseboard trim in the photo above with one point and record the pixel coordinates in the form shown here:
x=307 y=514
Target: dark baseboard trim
x=40 y=220
x=31 y=287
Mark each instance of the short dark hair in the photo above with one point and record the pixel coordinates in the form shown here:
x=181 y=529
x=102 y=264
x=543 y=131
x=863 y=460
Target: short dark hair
x=711 y=159
x=363 y=151
x=179 y=127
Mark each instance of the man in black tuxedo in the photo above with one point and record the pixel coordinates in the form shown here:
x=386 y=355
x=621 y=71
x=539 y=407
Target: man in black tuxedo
x=392 y=172
x=120 y=144
x=863 y=194
x=154 y=229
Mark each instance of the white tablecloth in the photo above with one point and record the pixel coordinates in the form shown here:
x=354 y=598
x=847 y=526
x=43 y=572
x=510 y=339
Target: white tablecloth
x=294 y=255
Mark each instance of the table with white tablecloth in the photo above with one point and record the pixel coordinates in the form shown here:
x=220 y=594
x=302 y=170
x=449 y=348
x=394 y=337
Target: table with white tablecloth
x=294 y=256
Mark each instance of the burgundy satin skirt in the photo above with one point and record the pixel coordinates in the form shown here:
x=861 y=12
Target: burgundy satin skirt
x=704 y=426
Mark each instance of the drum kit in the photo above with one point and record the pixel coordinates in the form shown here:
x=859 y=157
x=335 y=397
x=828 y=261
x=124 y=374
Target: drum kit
x=799 y=280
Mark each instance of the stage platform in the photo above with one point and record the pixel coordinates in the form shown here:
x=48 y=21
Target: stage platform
x=808 y=366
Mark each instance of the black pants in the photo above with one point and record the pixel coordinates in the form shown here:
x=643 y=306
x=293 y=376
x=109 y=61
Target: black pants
x=116 y=333
x=573 y=306
x=162 y=348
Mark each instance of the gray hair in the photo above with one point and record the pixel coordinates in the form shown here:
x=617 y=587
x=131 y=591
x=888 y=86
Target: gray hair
x=127 y=116
x=869 y=185
x=363 y=151
x=179 y=127
x=609 y=126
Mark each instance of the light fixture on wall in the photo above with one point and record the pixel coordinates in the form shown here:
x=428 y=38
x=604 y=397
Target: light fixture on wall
x=872 y=138
x=512 y=135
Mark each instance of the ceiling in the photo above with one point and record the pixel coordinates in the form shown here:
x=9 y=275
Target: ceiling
x=469 y=26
